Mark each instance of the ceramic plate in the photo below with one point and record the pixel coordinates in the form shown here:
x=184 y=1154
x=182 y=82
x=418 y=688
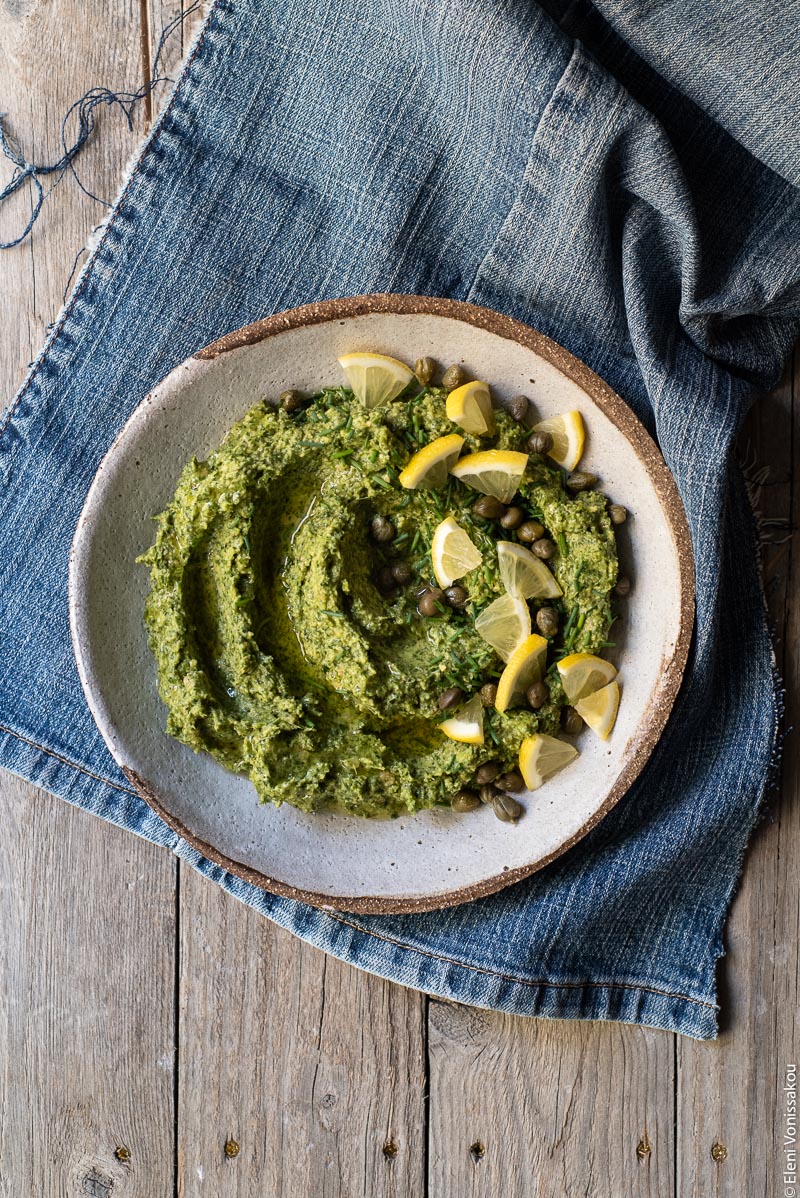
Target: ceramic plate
x=433 y=859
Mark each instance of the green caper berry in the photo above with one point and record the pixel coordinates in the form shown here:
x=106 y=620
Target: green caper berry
x=402 y=573
x=488 y=508
x=487 y=772
x=544 y=548
x=382 y=529
x=540 y=443
x=571 y=721
x=623 y=587
x=465 y=800
x=618 y=513
x=454 y=376
x=537 y=695
x=430 y=601
x=291 y=401
x=425 y=369
x=450 y=698
x=510 y=781
x=488 y=794
x=488 y=694
x=581 y=480
x=530 y=531
x=456 y=597
x=506 y=808
x=517 y=408
x=512 y=518
x=547 y=621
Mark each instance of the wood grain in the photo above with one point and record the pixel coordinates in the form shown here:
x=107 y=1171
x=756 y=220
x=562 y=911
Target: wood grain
x=86 y=910
x=563 y=1109
x=86 y=1004
x=314 y=1070
x=729 y=1100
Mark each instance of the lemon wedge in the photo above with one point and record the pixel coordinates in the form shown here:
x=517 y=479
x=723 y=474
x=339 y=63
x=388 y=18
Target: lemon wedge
x=471 y=407
x=452 y=552
x=568 y=436
x=525 y=666
x=429 y=467
x=467 y=724
x=582 y=674
x=599 y=709
x=375 y=379
x=523 y=575
x=496 y=472
x=505 y=624
x=541 y=756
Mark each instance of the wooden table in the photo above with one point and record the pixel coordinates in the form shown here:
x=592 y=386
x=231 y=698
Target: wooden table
x=158 y=1038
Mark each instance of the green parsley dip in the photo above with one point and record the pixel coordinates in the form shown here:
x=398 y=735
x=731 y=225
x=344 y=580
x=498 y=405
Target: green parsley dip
x=276 y=652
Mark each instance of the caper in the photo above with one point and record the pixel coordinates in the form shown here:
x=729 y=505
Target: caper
x=506 y=808
x=488 y=508
x=430 y=602
x=488 y=794
x=512 y=780
x=544 y=548
x=454 y=376
x=531 y=530
x=517 y=407
x=385 y=580
x=450 y=698
x=487 y=772
x=425 y=369
x=537 y=695
x=291 y=401
x=456 y=597
x=618 y=513
x=488 y=694
x=623 y=587
x=465 y=800
x=540 y=443
x=547 y=621
x=512 y=518
x=402 y=573
x=571 y=722
x=382 y=529
x=581 y=480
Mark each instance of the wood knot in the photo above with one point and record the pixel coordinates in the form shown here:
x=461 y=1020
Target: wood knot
x=719 y=1152
x=391 y=1149
x=644 y=1148
x=96 y=1184
x=122 y=1153
x=477 y=1151
x=231 y=1149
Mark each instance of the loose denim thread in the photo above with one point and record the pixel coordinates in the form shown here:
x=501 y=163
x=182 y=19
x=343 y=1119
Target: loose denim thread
x=85 y=110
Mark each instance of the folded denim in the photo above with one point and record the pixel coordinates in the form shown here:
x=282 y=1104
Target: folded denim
x=478 y=152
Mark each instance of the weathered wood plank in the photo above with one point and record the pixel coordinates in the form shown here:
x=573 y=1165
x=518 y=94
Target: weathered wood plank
x=87 y=947
x=527 y=1106
x=729 y=1100
x=86 y=1004
x=314 y=1070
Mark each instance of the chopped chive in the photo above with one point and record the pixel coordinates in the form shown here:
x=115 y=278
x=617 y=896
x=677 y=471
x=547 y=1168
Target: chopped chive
x=581 y=621
x=338 y=615
x=562 y=544
x=399 y=540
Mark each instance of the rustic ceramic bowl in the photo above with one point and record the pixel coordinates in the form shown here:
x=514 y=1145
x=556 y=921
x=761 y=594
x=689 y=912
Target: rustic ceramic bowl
x=434 y=859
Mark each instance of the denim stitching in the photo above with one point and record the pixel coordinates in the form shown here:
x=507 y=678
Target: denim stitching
x=65 y=761
x=504 y=977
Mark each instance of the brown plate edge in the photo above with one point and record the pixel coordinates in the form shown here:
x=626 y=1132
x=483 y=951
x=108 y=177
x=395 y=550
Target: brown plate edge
x=645 y=448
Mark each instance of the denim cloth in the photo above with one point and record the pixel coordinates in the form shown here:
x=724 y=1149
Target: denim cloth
x=476 y=151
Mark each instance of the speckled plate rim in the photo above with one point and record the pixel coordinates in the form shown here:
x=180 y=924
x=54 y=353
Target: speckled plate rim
x=642 y=444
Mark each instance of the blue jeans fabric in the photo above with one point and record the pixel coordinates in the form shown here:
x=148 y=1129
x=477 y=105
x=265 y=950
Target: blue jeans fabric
x=477 y=151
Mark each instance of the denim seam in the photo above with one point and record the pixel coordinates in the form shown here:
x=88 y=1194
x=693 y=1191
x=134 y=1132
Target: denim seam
x=504 y=977
x=66 y=761
x=148 y=144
